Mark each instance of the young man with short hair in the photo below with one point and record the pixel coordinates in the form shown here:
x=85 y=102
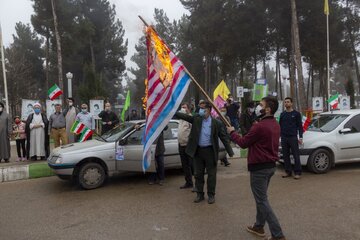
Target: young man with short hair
x=263 y=143
x=291 y=127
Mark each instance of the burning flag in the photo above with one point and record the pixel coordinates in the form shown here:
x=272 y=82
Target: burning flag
x=166 y=87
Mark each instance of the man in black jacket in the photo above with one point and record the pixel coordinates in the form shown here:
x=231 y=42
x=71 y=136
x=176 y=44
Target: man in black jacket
x=203 y=147
x=291 y=127
x=108 y=118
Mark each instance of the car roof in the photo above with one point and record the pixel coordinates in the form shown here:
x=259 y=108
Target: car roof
x=347 y=112
x=143 y=121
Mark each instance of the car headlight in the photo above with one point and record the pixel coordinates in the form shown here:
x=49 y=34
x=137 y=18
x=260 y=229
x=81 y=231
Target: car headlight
x=59 y=160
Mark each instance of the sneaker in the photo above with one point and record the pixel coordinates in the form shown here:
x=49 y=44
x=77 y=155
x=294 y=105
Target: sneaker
x=161 y=182
x=286 y=175
x=151 y=182
x=23 y=159
x=274 y=238
x=258 y=231
x=18 y=160
x=297 y=177
x=199 y=198
x=186 y=186
x=211 y=199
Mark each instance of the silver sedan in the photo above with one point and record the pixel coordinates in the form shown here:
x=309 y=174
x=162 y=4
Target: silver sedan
x=119 y=150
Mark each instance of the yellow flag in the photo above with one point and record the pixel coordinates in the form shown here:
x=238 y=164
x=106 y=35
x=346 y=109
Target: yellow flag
x=326 y=7
x=221 y=90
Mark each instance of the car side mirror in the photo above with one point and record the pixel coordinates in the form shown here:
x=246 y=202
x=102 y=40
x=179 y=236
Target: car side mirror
x=122 y=142
x=345 y=130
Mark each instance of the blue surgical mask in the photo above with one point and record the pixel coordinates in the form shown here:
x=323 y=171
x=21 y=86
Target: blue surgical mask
x=37 y=111
x=202 y=112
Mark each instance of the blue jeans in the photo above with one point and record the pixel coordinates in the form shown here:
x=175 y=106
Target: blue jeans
x=160 y=169
x=259 y=182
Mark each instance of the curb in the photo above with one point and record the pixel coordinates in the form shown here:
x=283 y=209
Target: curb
x=23 y=172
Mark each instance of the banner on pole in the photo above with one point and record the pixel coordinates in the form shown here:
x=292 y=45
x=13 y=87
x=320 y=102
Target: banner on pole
x=344 y=103
x=50 y=106
x=260 y=91
x=27 y=108
x=317 y=104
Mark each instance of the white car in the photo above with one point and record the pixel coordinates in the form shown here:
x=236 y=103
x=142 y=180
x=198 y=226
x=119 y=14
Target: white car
x=332 y=138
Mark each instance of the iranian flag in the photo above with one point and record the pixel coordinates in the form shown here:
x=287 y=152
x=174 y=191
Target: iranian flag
x=54 y=92
x=334 y=101
x=77 y=127
x=85 y=135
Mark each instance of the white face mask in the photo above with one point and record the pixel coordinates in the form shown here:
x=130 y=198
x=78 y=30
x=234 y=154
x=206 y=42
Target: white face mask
x=182 y=110
x=1 y=109
x=223 y=113
x=258 y=110
x=251 y=110
x=70 y=104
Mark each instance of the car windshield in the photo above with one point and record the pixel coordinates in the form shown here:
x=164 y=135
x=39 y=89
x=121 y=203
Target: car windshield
x=117 y=132
x=327 y=122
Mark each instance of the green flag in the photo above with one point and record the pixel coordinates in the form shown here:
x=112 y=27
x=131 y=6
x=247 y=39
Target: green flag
x=126 y=106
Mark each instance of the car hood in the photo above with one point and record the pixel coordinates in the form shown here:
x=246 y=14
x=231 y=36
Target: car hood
x=91 y=145
x=311 y=136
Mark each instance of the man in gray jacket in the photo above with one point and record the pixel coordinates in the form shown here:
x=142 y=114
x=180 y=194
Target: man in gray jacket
x=183 y=138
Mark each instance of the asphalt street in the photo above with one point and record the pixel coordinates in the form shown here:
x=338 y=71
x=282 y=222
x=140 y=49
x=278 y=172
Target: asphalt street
x=323 y=207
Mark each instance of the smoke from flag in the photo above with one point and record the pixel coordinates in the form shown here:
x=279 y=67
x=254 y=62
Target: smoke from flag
x=167 y=85
x=54 y=92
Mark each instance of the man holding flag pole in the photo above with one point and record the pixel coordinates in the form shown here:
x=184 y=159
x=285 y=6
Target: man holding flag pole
x=168 y=81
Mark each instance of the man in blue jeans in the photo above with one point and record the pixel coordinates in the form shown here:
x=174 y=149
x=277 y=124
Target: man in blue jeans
x=291 y=127
x=263 y=143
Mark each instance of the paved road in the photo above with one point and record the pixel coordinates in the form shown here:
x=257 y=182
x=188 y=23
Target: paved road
x=316 y=207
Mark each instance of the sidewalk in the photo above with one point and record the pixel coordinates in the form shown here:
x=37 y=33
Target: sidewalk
x=23 y=170
x=14 y=170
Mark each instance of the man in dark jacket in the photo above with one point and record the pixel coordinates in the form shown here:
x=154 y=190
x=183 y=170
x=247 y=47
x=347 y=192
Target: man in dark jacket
x=203 y=147
x=291 y=126
x=108 y=118
x=263 y=143
x=247 y=118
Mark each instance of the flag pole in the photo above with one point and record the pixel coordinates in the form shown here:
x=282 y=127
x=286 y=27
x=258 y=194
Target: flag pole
x=327 y=53
x=225 y=121
x=4 y=72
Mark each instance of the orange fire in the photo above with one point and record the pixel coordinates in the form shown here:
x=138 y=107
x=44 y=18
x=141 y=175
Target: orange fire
x=160 y=57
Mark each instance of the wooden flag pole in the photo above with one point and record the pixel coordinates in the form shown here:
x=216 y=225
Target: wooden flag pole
x=225 y=121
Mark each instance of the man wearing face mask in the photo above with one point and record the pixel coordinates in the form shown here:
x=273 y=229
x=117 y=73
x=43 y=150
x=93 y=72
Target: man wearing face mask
x=70 y=114
x=57 y=124
x=203 y=147
x=85 y=117
x=108 y=118
x=5 y=133
x=183 y=139
x=232 y=111
x=37 y=135
x=263 y=143
x=247 y=118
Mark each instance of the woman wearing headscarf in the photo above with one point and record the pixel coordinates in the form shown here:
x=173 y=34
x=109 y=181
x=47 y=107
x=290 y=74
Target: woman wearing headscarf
x=5 y=132
x=37 y=134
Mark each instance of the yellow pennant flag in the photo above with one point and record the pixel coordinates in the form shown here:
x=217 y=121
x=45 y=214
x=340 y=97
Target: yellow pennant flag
x=326 y=7
x=221 y=90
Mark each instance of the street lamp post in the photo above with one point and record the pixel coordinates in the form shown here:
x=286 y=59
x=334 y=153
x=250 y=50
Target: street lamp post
x=69 y=77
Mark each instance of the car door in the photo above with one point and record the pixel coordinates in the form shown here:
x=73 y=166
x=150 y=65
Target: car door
x=130 y=150
x=171 y=155
x=349 y=143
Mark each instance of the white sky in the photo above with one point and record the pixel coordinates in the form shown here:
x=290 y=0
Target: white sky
x=13 y=11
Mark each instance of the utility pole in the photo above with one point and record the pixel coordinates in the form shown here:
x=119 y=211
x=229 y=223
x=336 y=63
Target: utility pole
x=4 y=72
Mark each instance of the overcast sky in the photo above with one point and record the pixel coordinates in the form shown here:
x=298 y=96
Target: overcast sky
x=127 y=11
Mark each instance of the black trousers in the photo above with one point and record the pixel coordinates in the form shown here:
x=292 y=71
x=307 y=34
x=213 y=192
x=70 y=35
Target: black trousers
x=187 y=165
x=20 y=145
x=205 y=159
x=287 y=144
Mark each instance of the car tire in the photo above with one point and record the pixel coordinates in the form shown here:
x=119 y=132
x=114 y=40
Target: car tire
x=91 y=175
x=320 y=161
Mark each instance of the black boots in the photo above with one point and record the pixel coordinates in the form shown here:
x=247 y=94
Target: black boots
x=199 y=197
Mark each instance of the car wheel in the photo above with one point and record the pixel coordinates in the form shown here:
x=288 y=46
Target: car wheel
x=91 y=175
x=320 y=161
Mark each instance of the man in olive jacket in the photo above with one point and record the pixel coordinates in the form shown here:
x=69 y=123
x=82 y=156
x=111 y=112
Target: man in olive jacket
x=203 y=147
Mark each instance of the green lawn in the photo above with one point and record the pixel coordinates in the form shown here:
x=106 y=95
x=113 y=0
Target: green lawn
x=37 y=170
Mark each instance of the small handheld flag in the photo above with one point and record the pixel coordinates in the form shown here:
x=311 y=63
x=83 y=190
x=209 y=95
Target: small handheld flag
x=54 y=92
x=85 y=134
x=126 y=106
x=77 y=127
